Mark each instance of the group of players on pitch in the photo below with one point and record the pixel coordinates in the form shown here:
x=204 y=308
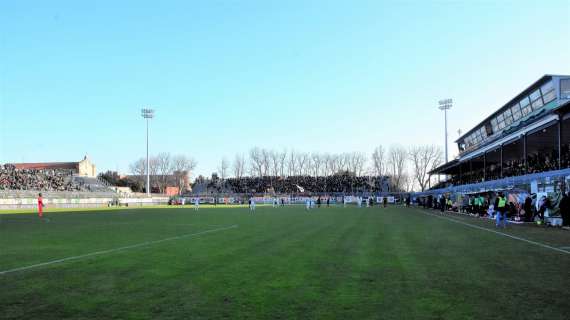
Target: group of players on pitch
x=310 y=203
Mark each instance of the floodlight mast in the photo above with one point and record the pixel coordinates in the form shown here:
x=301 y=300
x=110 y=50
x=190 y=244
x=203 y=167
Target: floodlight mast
x=445 y=105
x=147 y=114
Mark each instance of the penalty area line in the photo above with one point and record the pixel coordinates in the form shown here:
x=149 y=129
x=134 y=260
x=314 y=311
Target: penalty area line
x=109 y=251
x=498 y=233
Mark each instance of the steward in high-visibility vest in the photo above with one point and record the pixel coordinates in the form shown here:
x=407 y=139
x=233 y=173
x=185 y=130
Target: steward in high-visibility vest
x=502 y=203
x=501 y=208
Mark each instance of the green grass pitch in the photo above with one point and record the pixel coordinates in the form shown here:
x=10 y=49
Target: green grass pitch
x=279 y=263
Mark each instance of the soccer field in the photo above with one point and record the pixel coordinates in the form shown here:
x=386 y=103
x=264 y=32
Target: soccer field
x=279 y=263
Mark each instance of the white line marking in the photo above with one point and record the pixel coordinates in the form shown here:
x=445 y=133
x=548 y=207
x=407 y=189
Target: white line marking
x=138 y=245
x=499 y=233
x=196 y=225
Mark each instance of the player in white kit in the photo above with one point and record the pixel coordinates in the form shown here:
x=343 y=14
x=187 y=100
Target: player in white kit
x=196 y=204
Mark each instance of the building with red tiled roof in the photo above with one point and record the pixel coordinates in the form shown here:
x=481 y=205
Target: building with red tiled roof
x=84 y=168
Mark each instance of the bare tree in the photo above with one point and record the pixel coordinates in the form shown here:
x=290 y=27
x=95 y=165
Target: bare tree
x=356 y=162
x=256 y=161
x=326 y=164
x=344 y=161
x=182 y=167
x=274 y=163
x=239 y=166
x=397 y=157
x=333 y=165
x=265 y=161
x=282 y=159
x=408 y=182
x=424 y=159
x=302 y=163
x=316 y=163
x=292 y=163
x=223 y=169
x=153 y=169
x=379 y=161
x=138 y=169
x=164 y=167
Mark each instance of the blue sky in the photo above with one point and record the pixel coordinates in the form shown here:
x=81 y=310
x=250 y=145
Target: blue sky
x=224 y=76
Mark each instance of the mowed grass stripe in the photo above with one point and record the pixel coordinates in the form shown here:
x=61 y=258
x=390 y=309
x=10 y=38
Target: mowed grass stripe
x=114 y=250
x=75 y=234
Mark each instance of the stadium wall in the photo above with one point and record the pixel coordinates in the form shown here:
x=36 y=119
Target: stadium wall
x=74 y=200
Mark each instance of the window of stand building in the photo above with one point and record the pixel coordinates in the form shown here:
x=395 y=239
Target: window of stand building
x=542 y=150
x=508 y=117
x=493 y=164
x=536 y=100
x=565 y=143
x=513 y=158
x=548 y=92
x=516 y=111
x=525 y=106
x=565 y=88
x=494 y=125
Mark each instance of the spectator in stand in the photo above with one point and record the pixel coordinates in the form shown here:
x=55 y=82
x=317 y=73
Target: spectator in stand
x=310 y=184
x=32 y=179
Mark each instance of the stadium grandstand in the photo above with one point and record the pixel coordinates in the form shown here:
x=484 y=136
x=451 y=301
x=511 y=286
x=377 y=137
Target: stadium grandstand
x=51 y=176
x=340 y=183
x=523 y=146
x=530 y=134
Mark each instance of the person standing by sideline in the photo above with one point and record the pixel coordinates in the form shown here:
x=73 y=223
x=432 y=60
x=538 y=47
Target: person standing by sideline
x=565 y=210
x=528 y=209
x=196 y=204
x=40 y=206
x=501 y=209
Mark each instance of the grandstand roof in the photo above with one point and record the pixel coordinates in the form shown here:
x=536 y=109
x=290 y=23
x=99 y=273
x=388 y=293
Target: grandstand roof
x=509 y=103
x=444 y=167
x=47 y=165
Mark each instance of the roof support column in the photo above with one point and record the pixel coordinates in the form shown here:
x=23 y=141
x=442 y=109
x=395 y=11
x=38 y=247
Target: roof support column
x=501 y=163
x=470 y=171
x=559 y=125
x=525 y=168
x=484 y=166
x=460 y=174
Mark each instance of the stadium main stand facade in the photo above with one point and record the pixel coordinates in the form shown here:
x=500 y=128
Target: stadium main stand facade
x=524 y=147
x=529 y=134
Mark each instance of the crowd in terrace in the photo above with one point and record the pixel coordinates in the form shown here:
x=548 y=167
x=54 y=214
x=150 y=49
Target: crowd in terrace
x=536 y=163
x=32 y=179
x=300 y=184
x=540 y=162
